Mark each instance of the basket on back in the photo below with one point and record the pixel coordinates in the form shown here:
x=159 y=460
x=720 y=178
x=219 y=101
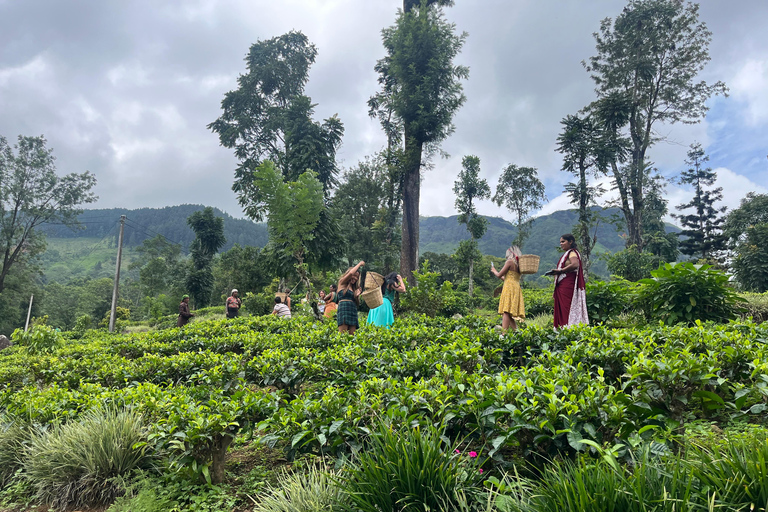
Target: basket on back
x=282 y=296
x=373 y=280
x=372 y=297
x=528 y=264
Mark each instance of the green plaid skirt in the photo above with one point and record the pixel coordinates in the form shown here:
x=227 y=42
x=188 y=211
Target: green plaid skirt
x=347 y=313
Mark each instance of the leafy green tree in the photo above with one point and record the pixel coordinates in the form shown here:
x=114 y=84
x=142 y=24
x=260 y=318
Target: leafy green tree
x=268 y=117
x=241 y=268
x=469 y=188
x=645 y=73
x=209 y=237
x=159 y=267
x=421 y=89
x=31 y=193
x=752 y=211
x=703 y=227
x=293 y=213
x=747 y=230
x=361 y=203
x=585 y=155
x=520 y=191
x=750 y=266
x=656 y=240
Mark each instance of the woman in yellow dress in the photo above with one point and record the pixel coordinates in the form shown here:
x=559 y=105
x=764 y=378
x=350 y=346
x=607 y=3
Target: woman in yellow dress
x=511 y=306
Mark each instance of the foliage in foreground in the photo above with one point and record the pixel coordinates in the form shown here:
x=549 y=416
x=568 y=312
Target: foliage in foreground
x=87 y=461
x=409 y=469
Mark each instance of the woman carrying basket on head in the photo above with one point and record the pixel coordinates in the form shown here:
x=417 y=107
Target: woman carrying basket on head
x=384 y=315
x=347 y=299
x=511 y=305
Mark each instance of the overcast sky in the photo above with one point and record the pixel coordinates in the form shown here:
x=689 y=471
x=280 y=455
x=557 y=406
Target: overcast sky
x=126 y=89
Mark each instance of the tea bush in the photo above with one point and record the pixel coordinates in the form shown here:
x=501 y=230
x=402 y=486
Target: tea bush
x=607 y=300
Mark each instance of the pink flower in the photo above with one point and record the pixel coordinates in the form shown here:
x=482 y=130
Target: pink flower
x=456 y=451
x=480 y=470
x=473 y=454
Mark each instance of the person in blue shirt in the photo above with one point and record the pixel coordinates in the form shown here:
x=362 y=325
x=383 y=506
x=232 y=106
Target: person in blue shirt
x=384 y=315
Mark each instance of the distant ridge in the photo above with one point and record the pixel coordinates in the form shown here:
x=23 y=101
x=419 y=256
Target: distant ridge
x=170 y=221
x=437 y=234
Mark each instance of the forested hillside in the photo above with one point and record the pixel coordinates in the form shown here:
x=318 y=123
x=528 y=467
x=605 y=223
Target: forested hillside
x=443 y=234
x=171 y=222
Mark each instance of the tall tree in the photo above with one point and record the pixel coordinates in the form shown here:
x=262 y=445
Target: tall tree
x=702 y=227
x=421 y=88
x=293 y=214
x=747 y=229
x=362 y=203
x=520 y=191
x=209 y=238
x=656 y=240
x=469 y=187
x=585 y=155
x=268 y=117
x=31 y=193
x=645 y=72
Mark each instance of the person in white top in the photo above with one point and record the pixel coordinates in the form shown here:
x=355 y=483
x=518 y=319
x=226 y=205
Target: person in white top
x=280 y=309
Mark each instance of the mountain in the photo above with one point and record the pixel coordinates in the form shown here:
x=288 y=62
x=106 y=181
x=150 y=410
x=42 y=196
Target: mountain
x=443 y=234
x=170 y=222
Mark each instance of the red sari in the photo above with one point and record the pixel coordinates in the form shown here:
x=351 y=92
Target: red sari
x=570 y=295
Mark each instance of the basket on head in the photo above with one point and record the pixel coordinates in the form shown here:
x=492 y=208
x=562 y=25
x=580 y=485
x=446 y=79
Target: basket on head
x=373 y=297
x=373 y=280
x=282 y=296
x=529 y=264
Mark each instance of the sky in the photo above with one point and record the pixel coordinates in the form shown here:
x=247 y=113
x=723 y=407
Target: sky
x=125 y=90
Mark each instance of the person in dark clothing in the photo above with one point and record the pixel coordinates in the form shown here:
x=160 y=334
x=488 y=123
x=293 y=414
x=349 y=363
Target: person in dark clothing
x=233 y=304
x=184 y=314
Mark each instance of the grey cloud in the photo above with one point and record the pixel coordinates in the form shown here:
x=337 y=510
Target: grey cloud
x=125 y=89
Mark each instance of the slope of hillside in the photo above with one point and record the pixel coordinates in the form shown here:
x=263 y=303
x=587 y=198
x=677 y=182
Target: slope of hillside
x=171 y=222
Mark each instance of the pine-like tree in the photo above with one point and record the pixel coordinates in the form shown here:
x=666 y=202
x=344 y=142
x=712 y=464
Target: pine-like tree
x=704 y=226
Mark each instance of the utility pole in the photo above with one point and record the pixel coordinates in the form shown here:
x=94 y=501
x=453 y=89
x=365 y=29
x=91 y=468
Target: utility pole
x=29 y=312
x=117 y=275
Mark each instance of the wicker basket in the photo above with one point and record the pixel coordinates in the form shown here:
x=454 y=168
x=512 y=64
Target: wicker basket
x=282 y=296
x=529 y=264
x=373 y=297
x=373 y=280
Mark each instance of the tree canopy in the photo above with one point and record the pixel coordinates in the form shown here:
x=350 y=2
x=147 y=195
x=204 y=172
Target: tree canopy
x=421 y=89
x=268 y=117
x=31 y=193
x=645 y=73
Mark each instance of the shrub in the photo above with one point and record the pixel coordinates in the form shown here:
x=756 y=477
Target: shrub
x=454 y=302
x=408 y=470
x=314 y=491
x=427 y=296
x=684 y=292
x=756 y=306
x=538 y=302
x=608 y=299
x=87 y=461
x=631 y=264
x=40 y=339
x=259 y=304
x=13 y=440
x=82 y=324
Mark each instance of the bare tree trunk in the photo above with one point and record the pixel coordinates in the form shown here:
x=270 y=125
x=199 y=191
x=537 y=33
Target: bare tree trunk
x=471 y=283
x=409 y=248
x=220 y=445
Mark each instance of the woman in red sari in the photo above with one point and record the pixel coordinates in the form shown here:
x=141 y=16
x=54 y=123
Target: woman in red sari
x=570 y=294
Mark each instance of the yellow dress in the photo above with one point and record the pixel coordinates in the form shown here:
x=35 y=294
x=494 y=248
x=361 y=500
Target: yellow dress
x=511 y=299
